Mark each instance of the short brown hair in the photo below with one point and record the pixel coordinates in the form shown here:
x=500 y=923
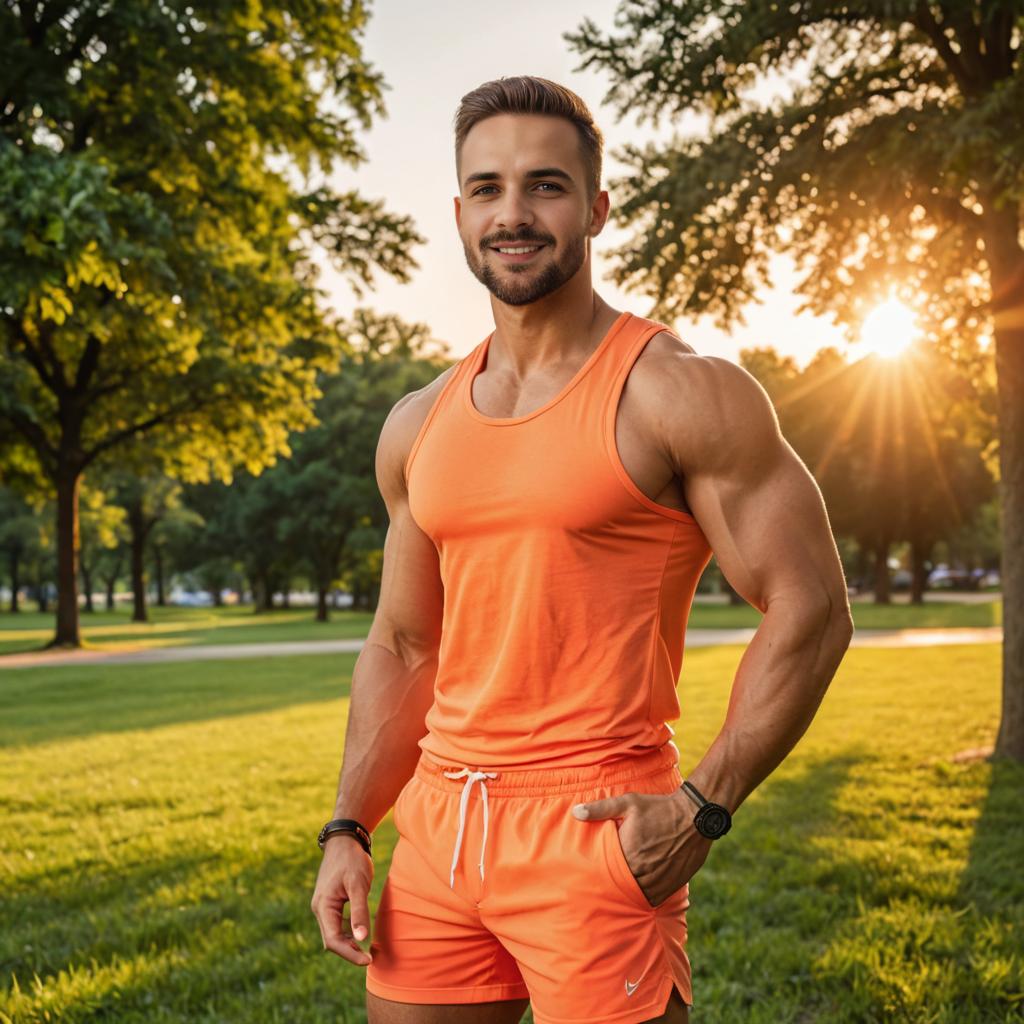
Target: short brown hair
x=528 y=94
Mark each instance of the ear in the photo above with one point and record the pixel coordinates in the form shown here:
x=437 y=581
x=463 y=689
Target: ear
x=599 y=211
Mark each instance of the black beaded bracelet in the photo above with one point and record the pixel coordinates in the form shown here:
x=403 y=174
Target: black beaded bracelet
x=345 y=825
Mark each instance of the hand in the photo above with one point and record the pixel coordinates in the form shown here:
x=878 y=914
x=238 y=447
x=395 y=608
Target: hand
x=346 y=873
x=659 y=840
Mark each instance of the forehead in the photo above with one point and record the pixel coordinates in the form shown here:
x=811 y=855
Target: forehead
x=511 y=144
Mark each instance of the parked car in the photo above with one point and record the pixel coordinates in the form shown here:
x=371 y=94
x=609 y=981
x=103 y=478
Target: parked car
x=901 y=579
x=944 y=578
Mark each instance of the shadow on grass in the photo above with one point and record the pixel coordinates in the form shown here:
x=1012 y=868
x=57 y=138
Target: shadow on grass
x=193 y=936
x=829 y=901
x=906 y=935
x=41 y=705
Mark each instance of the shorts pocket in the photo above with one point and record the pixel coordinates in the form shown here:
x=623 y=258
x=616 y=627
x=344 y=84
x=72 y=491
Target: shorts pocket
x=619 y=867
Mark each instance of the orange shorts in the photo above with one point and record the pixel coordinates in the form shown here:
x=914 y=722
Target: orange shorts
x=547 y=908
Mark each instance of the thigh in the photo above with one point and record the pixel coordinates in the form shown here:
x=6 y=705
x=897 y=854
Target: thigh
x=677 y=1011
x=386 y=1011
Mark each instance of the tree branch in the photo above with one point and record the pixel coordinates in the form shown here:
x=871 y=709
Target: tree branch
x=35 y=435
x=925 y=20
x=138 y=428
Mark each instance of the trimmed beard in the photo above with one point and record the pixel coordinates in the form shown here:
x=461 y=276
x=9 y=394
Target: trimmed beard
x=521 y=284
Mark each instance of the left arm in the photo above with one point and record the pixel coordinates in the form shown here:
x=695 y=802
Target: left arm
x=765 y=519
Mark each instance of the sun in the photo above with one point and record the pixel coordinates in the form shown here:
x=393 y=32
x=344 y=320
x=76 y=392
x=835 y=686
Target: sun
x=888 y=329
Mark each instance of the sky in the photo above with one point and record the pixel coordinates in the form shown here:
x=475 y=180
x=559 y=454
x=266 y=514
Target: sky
x=431 y=55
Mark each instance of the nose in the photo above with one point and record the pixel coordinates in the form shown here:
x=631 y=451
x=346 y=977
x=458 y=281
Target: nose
x=513 y=212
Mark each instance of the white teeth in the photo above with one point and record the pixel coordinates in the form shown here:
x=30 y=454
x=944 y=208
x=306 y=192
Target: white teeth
x=532 y=248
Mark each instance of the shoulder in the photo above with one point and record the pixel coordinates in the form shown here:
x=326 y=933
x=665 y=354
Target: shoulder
x=701 y=409
x=402 y=426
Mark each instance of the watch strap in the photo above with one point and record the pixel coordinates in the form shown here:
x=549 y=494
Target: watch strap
x=711 y=820
x=359 y=830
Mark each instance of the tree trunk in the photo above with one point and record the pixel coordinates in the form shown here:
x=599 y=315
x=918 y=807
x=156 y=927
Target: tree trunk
x=322 y=614
x=87 y=589
x=1007 y=262
x=68 y=482
x=919 y=553
x=158 y=561
x=882 y=572
x=137 y=523
x=111 y=583
x=15 y=583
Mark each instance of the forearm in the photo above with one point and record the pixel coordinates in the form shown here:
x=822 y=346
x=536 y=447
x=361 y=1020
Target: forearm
x=778 y=688
x=389 y=700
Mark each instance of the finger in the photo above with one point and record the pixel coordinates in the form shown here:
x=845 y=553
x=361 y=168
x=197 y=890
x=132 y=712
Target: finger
x=609 y=807
x=335 y=934
x=350 y=952
x=360 y=913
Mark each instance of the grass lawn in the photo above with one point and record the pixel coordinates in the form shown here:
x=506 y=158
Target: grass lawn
x=172 y=626
x=158 y=853
x=182 y=627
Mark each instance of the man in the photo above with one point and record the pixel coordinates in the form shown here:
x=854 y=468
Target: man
x=553 y=499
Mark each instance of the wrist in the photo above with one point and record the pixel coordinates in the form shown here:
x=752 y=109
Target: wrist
x=710 y=818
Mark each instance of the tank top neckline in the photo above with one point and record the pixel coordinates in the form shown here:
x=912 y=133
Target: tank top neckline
x=508 y=421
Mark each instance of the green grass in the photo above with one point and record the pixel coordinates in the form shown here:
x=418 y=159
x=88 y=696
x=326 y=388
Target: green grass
x=30 y=630
x=157 y=856
x=183 y=627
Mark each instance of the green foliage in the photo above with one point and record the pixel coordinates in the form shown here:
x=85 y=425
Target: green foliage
x=160 y=203
x=901 y=447
x=891 y=148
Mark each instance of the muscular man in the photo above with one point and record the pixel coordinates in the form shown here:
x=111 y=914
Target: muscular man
x=553 y=498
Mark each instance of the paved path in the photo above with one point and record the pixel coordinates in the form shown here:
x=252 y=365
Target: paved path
x=694 y=638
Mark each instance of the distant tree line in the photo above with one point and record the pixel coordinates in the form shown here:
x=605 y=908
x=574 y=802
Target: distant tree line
x=901 y=448
x=313 y=519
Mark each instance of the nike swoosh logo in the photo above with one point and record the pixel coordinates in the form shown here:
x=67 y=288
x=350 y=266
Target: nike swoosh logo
x=631 y=985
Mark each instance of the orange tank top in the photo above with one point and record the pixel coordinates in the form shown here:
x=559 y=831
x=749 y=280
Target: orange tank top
x=566 y=589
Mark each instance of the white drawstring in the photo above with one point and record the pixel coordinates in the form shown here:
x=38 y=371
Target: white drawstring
x=471 y=777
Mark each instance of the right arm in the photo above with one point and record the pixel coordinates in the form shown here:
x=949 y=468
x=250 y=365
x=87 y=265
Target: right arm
x=393 y=680
x=392 y=686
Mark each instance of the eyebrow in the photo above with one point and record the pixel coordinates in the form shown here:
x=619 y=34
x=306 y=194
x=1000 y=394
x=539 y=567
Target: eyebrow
x=540 y=172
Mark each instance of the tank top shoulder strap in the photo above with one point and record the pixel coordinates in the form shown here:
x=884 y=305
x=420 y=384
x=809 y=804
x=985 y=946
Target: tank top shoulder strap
x=624 y=350
x=448 y=393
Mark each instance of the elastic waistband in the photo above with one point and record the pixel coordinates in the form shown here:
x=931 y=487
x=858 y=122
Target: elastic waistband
x=541 y=781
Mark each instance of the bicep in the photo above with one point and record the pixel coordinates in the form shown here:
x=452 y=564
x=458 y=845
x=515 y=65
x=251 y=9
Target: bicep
x=411 y=603
x=755 y=500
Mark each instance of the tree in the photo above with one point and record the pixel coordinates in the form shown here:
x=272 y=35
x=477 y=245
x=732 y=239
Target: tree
x=145 y=499
x=162 y=195
x=896 y=157
x=100 y=527
x=331 y=481
x=898 y=446
x=18 y=527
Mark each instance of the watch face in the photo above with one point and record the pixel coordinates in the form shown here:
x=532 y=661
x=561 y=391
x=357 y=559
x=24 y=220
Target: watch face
x=712 y=821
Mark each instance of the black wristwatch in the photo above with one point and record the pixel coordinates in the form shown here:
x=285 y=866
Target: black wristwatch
x=345 y=825
x=712 y=820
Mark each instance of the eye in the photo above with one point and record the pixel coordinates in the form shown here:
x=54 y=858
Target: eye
x=552 y=184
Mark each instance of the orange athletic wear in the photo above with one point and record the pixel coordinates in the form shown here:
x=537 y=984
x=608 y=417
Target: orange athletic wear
x=566 y=595
x=544 y=908
x=566 y=589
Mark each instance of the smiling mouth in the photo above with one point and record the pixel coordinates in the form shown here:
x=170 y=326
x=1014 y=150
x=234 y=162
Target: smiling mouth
x=516 y=250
